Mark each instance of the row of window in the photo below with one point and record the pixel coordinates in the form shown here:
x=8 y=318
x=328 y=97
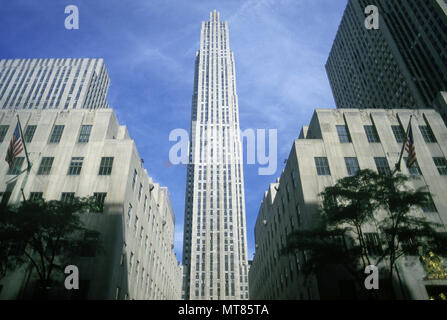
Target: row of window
x=373 y=137
x=65 y=197
x=56 y=133
x=352 y=165
x=105 y=167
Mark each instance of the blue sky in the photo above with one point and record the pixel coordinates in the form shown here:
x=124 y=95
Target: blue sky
x=149 y=47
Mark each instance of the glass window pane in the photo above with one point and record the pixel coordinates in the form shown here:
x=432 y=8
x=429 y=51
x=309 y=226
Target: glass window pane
x=382 y=165
x=428 y=205
x=57 y=134
x=441 y=165
x=399 y=133
x=371 y=134
x=67 y=196
x=428 y=135
x=84 y=134
x=105 y=167
x=100 y=198
x=75 y=166
x=45 y=165
x=343 y=134
x=352 y=165
x=322 y=166
x=3 y=131
x=29 y=133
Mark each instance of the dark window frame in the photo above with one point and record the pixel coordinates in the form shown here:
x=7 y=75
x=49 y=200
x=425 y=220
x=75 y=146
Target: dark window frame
x=371 y=134
x=56 y=133
x=45 y=166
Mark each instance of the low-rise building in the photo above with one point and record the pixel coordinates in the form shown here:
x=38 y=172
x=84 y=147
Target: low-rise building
x=84 y=153
x=336 y=144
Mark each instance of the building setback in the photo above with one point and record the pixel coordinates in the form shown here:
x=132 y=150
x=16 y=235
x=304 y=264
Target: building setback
x=214 y=246
x=403 y=64
x=53 y=84
x=86 y=152
x=336 y=144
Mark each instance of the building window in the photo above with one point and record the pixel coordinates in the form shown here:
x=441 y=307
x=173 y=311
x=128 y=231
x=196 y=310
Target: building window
x=139 y=192
x=100 y=197
x=75 y=166
x=352 y=165
x=399 y=133
x=343 y=134
x=16 y=165
x=135 y=225
x=105 y=167
x=294 y=178
x=134 y=179
x=129 y=215
x=145 y=202
x=428 y=135
x=414 y=170
x=33 y=196
x=89 y=244
x=67 y=197
x=322 y=166
x=56 y=134
x=45 y=165
x=441 y=165
x=428 y=206
x=84 y=133
x=29 y=133
x=371 y=134
x=3 y=131
x=373 y=243
x=382 y=165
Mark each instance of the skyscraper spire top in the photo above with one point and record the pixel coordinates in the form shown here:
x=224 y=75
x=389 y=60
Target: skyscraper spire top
x=214 y=16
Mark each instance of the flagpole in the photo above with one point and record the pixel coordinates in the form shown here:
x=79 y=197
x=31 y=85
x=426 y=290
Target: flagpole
x=28 y=170
x=397 y=166
x=24 y=145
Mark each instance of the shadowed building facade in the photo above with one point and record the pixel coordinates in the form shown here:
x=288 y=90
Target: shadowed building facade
x=336 y=144
x=403 y=64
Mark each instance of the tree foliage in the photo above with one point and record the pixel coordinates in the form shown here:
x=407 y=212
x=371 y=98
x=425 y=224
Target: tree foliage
x=44 y=233
x=368 y=199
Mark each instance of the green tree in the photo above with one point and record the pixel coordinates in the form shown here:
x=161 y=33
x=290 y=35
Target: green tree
x=10 y=242
x=367 y=199
x=45 y=233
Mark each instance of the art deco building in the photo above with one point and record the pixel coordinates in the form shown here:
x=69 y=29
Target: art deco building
x=403 y=64
x=215 y=248
x=86 y=152
x=53 y=84
x=336 y=144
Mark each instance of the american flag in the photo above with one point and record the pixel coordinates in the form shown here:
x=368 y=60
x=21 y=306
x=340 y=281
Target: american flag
x=409 y=146
x=15 y=146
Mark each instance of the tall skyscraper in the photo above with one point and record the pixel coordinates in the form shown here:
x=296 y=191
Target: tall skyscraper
x=215 y=248
x=53 y=84
x=403 y=64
